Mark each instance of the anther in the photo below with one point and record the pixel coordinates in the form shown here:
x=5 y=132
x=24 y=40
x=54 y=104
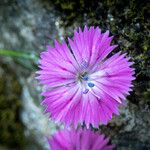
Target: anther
x=91 y=84
x=85 y=91
x=85 y=78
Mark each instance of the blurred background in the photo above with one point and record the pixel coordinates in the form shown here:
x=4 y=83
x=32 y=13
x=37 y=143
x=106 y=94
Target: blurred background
x=27 y=26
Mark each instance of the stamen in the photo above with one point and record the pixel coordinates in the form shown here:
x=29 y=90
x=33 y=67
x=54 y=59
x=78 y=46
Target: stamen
x=86 y=91
x=85 y=78
x=90 y=84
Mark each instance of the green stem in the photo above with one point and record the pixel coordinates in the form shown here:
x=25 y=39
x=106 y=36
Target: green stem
x=24 y=55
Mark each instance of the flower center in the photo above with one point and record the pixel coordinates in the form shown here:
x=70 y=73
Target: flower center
x=84 y=79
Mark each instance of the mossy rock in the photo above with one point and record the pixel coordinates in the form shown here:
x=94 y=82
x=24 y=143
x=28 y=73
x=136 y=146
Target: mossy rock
x=11 y=128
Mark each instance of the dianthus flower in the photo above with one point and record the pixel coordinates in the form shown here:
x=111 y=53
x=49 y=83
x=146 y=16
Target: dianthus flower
x=79 y=140
x=83 y=84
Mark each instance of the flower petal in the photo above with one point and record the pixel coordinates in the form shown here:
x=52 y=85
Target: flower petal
x=114 y=78
x=91 y=45
x=58 y=66
x=79 y=140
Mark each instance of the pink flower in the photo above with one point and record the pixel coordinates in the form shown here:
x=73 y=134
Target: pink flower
x=79 y=140
x=83 y=84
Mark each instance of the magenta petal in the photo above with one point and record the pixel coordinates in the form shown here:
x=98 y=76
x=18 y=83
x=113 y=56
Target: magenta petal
x=79 y=140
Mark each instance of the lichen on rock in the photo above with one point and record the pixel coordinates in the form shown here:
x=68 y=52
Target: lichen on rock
x=11 y=127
